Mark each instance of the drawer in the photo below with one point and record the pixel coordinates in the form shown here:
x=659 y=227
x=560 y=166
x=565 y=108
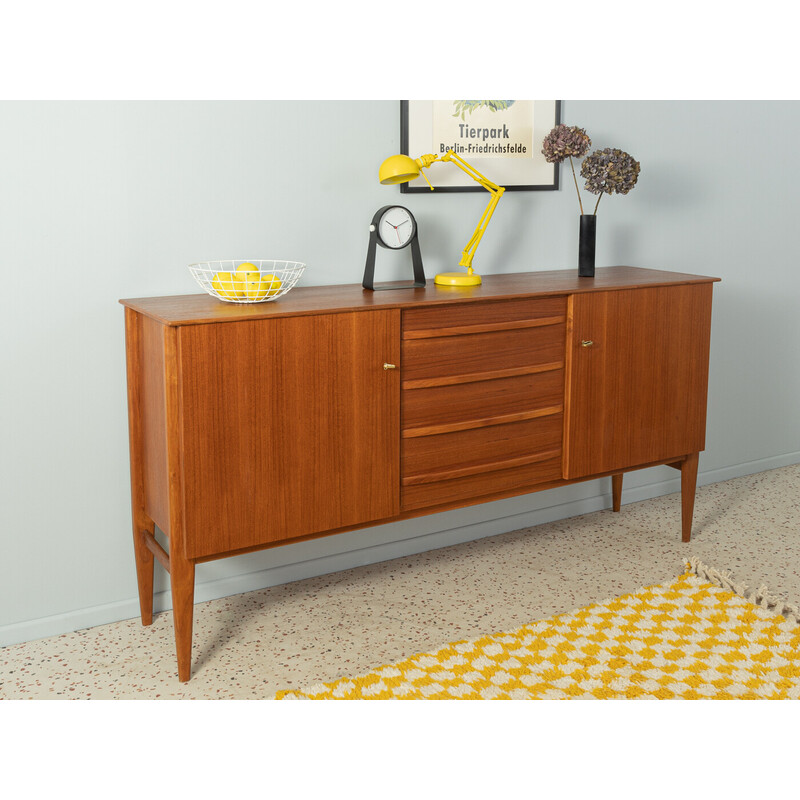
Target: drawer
x=487 y=354
x=486 y=447
x=420 y=323
x=437 y=405
x=473 y=487
x=482 y=399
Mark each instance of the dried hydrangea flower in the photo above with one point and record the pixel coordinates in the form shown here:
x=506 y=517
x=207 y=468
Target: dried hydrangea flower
x=564 y=141
x=609 y=171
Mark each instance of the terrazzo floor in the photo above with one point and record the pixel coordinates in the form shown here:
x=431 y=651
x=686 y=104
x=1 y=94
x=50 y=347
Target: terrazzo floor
x=251 y=645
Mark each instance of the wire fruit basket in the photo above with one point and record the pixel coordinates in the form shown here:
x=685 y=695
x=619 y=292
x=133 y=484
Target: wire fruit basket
x=240 y=281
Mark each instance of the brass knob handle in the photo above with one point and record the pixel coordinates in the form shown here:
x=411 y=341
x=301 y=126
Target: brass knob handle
x=389 y=366
x=586 y=343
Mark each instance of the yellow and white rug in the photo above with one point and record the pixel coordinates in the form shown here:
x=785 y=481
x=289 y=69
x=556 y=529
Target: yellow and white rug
x=699 y=637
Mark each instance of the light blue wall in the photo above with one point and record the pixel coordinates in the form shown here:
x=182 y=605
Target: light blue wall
x=103 y=200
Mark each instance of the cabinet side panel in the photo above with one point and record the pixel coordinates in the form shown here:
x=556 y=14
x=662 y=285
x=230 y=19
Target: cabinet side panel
x=700 y=339
x=153 y=423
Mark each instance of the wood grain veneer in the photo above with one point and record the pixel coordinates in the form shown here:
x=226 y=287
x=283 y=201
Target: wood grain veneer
x=464 y=490
x=638 y=393
x=464 y=401
x=485 y=375
x=488 y=444
x=482 y=352
x=486 y=327
x=153 y=421
x=470 y=404
x=289 y=427
x=457 y=319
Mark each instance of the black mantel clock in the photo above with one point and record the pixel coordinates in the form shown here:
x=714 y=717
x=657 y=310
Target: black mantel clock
x=394 y=228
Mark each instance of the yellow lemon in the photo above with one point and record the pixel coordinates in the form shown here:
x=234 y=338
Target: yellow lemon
x=223 y=284
x=246 y=282
x=249 y=286
x=272 y=283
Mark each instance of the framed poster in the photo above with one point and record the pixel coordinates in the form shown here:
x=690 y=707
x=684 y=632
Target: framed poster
x=502 y=139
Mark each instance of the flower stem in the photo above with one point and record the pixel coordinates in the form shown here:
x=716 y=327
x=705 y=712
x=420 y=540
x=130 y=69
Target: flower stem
x=576 y=184
x=598 y=202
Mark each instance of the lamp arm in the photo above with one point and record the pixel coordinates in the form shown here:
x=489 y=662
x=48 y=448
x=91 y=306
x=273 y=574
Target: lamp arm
x=472 y=245
x=471 y=171
x=496 y=191
x=428 y=159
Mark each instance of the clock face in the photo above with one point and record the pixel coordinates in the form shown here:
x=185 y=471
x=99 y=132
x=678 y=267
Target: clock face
x=396 y=227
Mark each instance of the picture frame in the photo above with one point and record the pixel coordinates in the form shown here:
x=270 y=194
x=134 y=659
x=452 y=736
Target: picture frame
x=489 y=134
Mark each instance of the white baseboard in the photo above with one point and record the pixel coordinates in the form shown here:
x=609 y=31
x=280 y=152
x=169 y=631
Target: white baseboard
x=360 y=556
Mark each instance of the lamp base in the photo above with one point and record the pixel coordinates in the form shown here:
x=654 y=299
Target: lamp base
x=457 y=279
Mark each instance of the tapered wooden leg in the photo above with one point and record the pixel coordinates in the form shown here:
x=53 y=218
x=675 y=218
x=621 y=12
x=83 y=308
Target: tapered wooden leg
x=616 y=491
x=181 y=576
x=141 y=522
x=181 y=570
x=688 y=488
x=144 y=569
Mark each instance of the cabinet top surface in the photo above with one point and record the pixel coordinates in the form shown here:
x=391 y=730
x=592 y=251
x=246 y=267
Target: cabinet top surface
x=195 y=309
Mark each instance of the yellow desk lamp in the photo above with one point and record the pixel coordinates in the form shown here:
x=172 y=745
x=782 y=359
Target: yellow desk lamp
x=401 y=169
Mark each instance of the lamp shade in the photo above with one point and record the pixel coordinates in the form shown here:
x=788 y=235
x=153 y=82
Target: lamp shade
x=398 y=169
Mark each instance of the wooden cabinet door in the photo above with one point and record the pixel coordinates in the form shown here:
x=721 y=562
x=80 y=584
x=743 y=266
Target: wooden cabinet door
x=289 y=427
x=637 y=393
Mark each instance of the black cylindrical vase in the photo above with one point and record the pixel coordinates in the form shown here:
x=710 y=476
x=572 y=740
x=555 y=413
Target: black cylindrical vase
x=586 y=246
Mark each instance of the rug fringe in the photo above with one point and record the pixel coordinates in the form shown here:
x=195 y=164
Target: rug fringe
x=759 y=597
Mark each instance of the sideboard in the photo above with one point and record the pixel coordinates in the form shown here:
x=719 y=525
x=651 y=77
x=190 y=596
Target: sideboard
x=336 y=408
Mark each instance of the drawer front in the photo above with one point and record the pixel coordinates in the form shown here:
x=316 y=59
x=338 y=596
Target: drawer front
x=484 y=448
x=439 y=405
x=425 y=322
x=482 y=399
x=477 y=353
x=512 y=480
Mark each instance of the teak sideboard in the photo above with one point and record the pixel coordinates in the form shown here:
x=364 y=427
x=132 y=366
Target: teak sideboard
x=336 y=408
